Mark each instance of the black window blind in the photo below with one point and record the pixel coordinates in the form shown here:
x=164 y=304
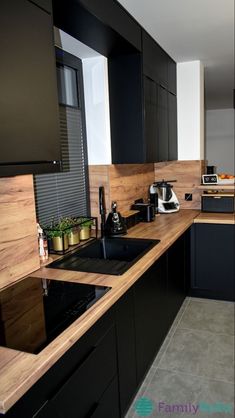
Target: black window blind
x=67 y=193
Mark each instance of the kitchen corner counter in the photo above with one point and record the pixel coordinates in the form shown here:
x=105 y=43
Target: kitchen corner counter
x=215 y=218
x=19 y=371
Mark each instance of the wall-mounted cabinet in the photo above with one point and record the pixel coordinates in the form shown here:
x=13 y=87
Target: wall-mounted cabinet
x=112 y=14
x=155 y=60
x=141 y=76
x=29 y=122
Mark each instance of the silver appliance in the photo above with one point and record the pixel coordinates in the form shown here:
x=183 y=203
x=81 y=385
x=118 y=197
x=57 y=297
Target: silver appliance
x=167 y=200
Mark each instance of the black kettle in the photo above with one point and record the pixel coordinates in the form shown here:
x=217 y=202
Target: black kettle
x=115 y=224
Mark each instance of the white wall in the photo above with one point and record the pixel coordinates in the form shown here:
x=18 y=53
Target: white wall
x=95 y=73
x=190 y=103
x=95 y=77
x=220 y=139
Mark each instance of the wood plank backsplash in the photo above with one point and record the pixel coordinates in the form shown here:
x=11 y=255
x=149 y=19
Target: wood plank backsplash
x=188 y=175
x=18 y=231
x=125 y=183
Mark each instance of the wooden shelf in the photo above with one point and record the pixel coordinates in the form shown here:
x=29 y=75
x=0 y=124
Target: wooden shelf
x=216 y=187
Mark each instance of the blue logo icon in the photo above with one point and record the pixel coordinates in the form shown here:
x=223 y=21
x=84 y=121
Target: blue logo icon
x=144 y=407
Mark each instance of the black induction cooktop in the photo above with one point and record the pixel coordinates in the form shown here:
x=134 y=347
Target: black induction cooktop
x=34 y=311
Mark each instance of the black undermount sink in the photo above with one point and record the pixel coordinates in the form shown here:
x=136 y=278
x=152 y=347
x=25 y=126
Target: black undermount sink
x=106 y=255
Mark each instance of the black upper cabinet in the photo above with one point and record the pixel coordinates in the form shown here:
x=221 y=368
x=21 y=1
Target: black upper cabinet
x=29 y=121
x=126 y=111
x=172 y=127
x=102 y=25
x=155 y=60
x=113 y=15
x=44 y=4
x=162 y=142
x=172 y=72
x=150 y=119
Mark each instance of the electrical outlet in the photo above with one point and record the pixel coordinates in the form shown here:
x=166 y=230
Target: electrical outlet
x=188 y=196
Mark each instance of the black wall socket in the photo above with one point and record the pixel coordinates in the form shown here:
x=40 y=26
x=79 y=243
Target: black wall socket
x=188 y=196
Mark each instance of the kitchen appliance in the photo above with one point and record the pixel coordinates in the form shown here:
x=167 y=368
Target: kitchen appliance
x=167 y=200
x=115 y=224
x=146 y=210
x=35 y=311
x=209 y=179
x=218 y=202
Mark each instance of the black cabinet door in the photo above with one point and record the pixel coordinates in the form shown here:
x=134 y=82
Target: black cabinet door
x=44 y=4
x=126 y=349
x=81 y=375
x=108 y=405
x=115 y=16
x=176 y=277
x=172 y=75
x=150 y=119
x=155 y=60
x=83 y=390
x=29 y=121
x=213 y=249
x=172 y=128
x=163 y=148
x=150 y=321
x=126 y=109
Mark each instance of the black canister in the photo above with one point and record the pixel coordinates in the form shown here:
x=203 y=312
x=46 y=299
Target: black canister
x=210 y=169
x=154 y=201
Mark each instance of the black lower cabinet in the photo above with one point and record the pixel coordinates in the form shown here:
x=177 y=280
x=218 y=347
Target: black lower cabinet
x=150 y=315
x=125 y=325
x=100 y=374
x=77 y=385
x=212 y=261
x=176 y=274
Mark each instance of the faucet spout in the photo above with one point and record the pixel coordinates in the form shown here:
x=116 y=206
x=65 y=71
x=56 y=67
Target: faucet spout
x=102 y=209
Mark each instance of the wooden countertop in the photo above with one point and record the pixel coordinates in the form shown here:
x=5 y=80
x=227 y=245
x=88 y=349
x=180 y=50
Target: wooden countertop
x=215 y=218
x=19 y=371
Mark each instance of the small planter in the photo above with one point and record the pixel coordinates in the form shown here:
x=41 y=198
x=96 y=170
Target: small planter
x=60 y=243
x=68 y=232
x=74 y=236
x=85 y=232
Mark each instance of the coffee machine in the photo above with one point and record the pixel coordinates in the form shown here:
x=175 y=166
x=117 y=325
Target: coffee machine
x=167 y=200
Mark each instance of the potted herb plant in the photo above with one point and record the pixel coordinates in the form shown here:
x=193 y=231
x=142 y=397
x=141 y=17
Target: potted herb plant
x=58 y=238
x=85 y=228
x=71 y=227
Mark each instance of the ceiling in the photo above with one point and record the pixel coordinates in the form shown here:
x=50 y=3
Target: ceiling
x=194 y=30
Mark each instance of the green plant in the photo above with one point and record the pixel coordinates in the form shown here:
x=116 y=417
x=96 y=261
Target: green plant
x=85 y=222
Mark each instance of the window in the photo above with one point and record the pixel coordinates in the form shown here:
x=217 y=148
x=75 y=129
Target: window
x=67 y=193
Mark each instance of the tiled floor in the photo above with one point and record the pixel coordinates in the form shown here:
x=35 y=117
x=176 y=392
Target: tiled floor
x=194 y=367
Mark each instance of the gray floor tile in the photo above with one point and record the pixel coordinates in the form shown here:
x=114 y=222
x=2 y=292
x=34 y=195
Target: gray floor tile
x=217 y=317
x=201 y=354
x=180 y=389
